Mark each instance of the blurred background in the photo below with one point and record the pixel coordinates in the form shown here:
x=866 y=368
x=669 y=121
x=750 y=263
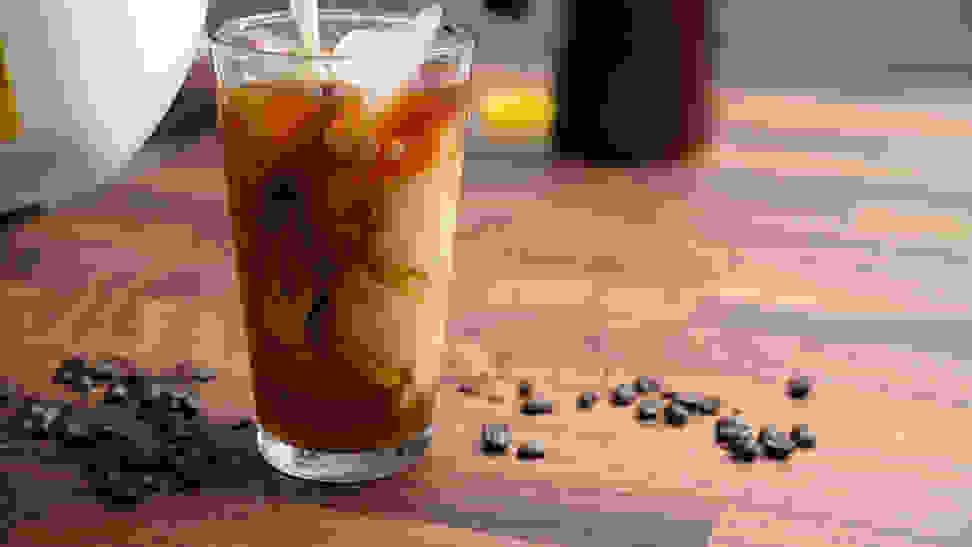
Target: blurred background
x=859 y=51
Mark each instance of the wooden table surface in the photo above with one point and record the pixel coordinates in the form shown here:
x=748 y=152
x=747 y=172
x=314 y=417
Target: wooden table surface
x=574 y=280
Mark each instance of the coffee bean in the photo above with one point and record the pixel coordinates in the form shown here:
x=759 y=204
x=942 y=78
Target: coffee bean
x=710 y=406
x=116 y=394
x=798 y=388
x=767 y=432
x=803 y=437
x=779 y=448
x=645 y=384
x=586 y=400
x=524 y=389
x=531 y=450
x=203 y=375
x=676 y=414
x=623 y=395
x=728 y=428
x=75 y=432
x=535 y=407
x=243 y=423
x=745 y=449
x=692 y=402
x=8 y=393
x=82 y=384
x=775 y=444
x=648 y=410
x=103 y=370
x=496 y=439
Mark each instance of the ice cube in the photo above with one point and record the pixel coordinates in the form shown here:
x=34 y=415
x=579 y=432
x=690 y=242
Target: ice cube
x=383 y=60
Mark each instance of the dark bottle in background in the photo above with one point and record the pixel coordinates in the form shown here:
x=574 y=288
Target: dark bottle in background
x=632 y=80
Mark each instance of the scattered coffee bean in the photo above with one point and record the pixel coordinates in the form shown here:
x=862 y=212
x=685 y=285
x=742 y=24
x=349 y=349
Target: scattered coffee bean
x=623 y=395
x=76 y=432
x=798 y=388
x=645 y=384
x=531 y=450
x=103 y=371
x=203 y=375
x=676 y=414
x=779 y=447
x=82 y=384
x=803 y=437
x=710 y=406
x=525 y=389
x=534 y=407
x=8 y=393
x=775 y=445
x=690 y=401
x=745 y=449
x=766 y=433
x=38 y=419
x=116 y=394
x=729 y=428
x=496 y=439
x=648 y=410
x=586 y=400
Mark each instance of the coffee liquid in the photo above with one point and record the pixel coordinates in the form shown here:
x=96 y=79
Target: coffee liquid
x=343 y=222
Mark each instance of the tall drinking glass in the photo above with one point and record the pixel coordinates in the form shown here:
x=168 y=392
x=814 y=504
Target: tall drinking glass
x=344 y=210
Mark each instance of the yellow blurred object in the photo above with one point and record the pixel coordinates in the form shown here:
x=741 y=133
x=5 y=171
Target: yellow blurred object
x=10 y=124
x=518 y=109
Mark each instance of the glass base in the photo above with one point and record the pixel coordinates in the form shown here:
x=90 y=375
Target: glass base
x=340 y=467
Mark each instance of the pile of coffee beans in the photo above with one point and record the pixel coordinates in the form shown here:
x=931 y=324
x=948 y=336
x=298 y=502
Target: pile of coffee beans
x=674 y=409
x=145 y=437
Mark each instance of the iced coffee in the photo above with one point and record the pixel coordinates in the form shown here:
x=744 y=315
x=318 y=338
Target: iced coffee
x=344 y=209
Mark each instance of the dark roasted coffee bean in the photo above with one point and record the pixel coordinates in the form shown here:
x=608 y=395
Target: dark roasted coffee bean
x=534 y=407
x=775 y=445
x=623 y=395
x=8 y=393
x=779 y=447
x=203 y=375
x=39 y=419
x=189 y=405
x=767 y=432
x=645 y=384
x=524 y=389
x=648 y=410
x=745 y=449
x=798 y=388
x=243 y=423
x=72 y=430
x=803 y=437
x=531 y=450
x=107 y=432
x=82 y=384
x=586 y=400
x=690 y=401
x=116 y=394
x=177 y=428
x=728 y=428
x=676 y=414
x=496 y=439
x=103 y=370
x=69 y=370
x=710 y=406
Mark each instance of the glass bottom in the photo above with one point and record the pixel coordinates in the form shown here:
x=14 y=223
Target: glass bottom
x=340 y=467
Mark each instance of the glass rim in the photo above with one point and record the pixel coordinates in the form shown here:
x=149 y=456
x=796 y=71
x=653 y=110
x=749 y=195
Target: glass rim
x=467 y=38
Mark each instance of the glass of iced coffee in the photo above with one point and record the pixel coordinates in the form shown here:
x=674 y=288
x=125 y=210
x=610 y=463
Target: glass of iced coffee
x=343 y=201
